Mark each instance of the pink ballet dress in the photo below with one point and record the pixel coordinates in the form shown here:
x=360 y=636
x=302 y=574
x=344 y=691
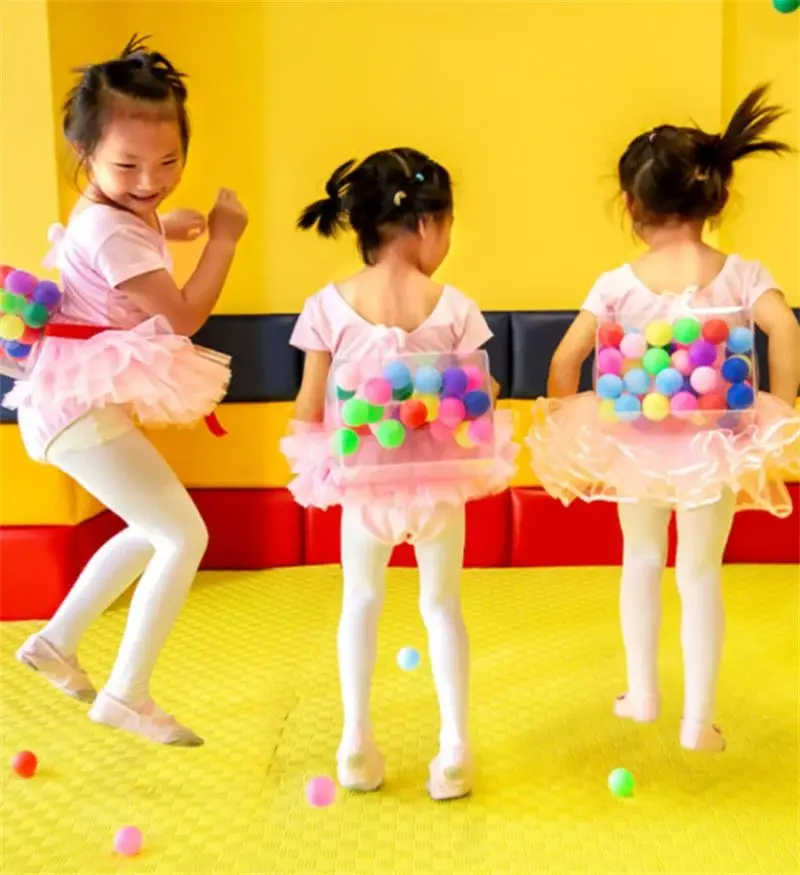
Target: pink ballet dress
x=418 y=499
x=100 y=350
x=577 y=454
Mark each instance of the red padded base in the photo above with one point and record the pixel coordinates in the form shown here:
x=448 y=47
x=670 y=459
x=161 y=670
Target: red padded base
x=760 y=538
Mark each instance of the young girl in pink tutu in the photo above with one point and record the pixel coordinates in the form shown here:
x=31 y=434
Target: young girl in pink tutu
x=117 y=355
x=399 y=203
x=661 y=457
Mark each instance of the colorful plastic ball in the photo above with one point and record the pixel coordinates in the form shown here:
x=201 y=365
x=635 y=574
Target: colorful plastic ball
x=17 y=350
x=440 y=432
x=344 y=394
x=476 y=377
x=736 y=369
x=36 y=315
x=702 y=354
x=11 y=303
x=5 y=270
x=621 y=783
x=20 y=282
x=413 y=413
x=610 y=334
x=431 y=403
x=11 y=327
x=348 y=377
x=427 y=380
x=452 y=412
x=655 y=360
x=655 y=407
x=408 y=658
x=633 y=346
x=344 y=442
x=454 y=382
x=740 y=340
x=715 y=331
x=705 y=381
x=609 y=386
x=378 y=390
x=712 y=401
x=375 y=413
x=481 y=431
x=609 y=361
x=786 y=7
x=669 y=381
x=477 y=403
x=658 y=333
x=629 y=365
x=355 y=412
x=681 y=362
x=462 y=436
x=637 y=382
x=627 y=408
x=740 y=396
x=321 y=792
x=398 y=374
x=128 y=841
x=686 y=330
x=403 y=393
x=683 y=402
x=47 y=294
x=390 y=434
x=606 y=411
x=24 y=764
x=31 y=336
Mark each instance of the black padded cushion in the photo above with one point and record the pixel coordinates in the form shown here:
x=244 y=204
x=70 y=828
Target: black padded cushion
x=499 y=350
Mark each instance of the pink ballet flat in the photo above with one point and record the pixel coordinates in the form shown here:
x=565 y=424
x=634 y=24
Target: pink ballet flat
x=702 y=736
x=147 y=720
x=451 y=775
x=360 y=766
x=640 y=709
x=61 y=671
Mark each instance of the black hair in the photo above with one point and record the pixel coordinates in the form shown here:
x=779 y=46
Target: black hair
x=392 y=189
x=685 y=172
x=138 y=75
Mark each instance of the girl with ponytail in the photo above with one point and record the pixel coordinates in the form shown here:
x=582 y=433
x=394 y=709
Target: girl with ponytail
x=675 y=424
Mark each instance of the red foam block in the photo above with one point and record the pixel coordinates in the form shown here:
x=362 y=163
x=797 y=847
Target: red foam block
x=758 y=537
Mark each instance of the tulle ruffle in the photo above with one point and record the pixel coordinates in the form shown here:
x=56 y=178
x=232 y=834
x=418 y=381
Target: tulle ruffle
x=161 y=378
x=575 y=455
x=322 y=483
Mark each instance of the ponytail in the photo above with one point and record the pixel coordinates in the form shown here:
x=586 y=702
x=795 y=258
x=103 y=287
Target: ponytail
x=745 y=132
x=327 y=215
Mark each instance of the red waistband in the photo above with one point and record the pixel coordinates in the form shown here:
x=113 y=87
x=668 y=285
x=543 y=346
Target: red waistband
x=75 y=331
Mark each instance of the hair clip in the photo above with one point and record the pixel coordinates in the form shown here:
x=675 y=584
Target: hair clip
x=419 y=177
x=399 y=197
x=700 y=175
x=652 y=137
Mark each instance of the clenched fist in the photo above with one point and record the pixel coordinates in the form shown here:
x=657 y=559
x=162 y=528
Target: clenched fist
x=228 y=218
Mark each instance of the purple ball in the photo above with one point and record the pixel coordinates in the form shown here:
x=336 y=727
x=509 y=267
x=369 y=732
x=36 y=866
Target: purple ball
x=47 y=293
x=702 y=354
x=454 y=382
x=21 y=283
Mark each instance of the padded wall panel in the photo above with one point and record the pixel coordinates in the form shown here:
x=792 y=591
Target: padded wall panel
x=759 y=537
x=499 y=349
x=5 y=386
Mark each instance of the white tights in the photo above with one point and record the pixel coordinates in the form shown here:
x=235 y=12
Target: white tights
x=364 y=561
x=164 y=543
x=702 y=535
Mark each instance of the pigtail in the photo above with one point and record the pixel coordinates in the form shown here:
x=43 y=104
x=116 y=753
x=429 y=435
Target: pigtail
x=745 y=132
x=327 y=215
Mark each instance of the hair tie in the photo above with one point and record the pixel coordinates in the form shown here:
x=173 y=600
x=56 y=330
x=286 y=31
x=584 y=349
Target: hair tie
x=399 y=197
x=652 y=137
x=420 y=177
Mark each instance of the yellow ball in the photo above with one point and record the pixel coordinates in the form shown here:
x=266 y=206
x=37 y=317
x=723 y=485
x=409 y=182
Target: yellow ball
x=606 y=411
x=655 y=407
x=463 y=438
x=658 y=333
x=11 y=327
x=431 y=403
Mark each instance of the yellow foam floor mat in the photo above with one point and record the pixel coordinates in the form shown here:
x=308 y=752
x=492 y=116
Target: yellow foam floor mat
x=252 y=667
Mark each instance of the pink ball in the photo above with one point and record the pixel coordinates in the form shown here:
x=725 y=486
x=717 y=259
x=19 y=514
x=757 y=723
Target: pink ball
x=705 y=380
x=682 y=402
x=633 y=346
x=681 y=362
x=128 y=841
x=378 y=391
x=320 y=792
x=452 y=412
x=475 y=377
x=348 y=377
x=480 y=431
x=441 y=432
x=609 y=361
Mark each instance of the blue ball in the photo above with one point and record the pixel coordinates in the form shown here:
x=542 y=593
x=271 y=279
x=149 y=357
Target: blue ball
x=397 y=374
x=740 y=396
x=17 y=350
x=628 y=408
x=740 y=340
x=428 y=380
x=735 y=370
x=477 y=403
x=609 y=386
x=637 y=381
x=669 y=381
x=408 y=659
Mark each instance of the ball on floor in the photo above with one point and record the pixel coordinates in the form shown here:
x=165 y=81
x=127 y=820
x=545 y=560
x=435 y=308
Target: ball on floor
x=621 y=783
x=128 y=841
x=320 y=792
x=408 y=659
x=24 y=764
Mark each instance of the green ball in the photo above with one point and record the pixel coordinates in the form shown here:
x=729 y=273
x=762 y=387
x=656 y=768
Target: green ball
x=390 y=434
x=344 y=442
x=35 y=315
x=786 y=6
x=11 y=303
x=655 y=360
x=374 y=413
x=686 y=330
x=344 y=394
x=404 y=393
x=621 y=783
x=355 y=412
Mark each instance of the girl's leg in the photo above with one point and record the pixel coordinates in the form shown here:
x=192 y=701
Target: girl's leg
x=440 y=561
x=364 y=561
x=644 y=531
x=702 y=535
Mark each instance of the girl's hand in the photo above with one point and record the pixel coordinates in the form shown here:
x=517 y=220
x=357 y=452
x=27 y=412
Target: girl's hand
x=227 y=219
x=565 y=368
x=183 y=225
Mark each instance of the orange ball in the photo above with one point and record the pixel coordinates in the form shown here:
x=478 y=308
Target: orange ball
x=413 y=413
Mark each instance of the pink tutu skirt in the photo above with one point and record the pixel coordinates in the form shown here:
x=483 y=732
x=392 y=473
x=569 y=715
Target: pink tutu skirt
x=575 y=455
x=158 y=377
x=414 y=482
